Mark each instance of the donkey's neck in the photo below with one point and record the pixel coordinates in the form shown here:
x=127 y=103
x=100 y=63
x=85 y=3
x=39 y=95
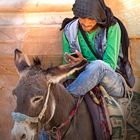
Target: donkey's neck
x=64 y=104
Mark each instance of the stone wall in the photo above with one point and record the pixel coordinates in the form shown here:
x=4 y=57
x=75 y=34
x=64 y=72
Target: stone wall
x=33 y=26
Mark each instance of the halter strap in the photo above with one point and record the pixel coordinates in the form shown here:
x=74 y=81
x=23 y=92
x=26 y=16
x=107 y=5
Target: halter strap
x=19 y=117
x=57 y=130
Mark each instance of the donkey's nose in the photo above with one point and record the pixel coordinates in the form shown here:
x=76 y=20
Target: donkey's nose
x=23 y=137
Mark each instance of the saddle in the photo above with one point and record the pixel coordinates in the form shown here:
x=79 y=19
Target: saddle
x=107 y=116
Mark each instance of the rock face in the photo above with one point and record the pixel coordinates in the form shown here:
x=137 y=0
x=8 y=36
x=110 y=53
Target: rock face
x=33 y=27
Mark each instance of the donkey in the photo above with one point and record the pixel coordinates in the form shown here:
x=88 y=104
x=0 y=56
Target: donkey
x=44 y=103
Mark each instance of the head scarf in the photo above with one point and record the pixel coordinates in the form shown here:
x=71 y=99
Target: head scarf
x=94 y=9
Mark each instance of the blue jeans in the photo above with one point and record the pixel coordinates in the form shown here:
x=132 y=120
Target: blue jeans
x=43 y=135
x=97 y=72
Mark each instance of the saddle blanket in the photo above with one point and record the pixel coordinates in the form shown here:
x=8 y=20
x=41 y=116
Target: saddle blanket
x=111 y=120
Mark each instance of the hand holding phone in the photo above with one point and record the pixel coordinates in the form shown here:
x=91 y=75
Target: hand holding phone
x=73 y=57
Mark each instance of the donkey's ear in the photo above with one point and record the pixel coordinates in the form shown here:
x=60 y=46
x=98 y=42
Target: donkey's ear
x=56 y=74
x=20 y=61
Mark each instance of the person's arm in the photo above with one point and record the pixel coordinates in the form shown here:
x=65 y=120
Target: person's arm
x=66 y=47
x=113 y=46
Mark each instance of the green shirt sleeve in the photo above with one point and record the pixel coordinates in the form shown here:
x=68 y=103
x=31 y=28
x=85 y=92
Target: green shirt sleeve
x=66 y=47
x=113 y=46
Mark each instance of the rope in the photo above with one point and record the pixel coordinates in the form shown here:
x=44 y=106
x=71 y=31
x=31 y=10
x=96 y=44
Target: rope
x=45 y=104
x=128 y=94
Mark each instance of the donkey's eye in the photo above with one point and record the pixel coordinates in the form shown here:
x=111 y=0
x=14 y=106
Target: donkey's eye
x=36 y=99
x=13 y=92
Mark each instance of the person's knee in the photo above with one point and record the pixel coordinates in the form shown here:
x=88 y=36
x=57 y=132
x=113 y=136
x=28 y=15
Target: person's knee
x=99 y=64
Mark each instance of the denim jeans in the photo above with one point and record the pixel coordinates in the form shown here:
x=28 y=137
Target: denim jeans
x=97 y=72
x=43 y=135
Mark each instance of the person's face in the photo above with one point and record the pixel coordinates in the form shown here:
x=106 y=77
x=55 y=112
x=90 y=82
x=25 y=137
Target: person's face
x=87 y=24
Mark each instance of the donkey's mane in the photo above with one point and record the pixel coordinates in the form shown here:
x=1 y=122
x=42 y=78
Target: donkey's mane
x=36 y=61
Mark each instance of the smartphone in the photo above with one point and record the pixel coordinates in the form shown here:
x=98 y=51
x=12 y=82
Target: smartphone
x=74 y=55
